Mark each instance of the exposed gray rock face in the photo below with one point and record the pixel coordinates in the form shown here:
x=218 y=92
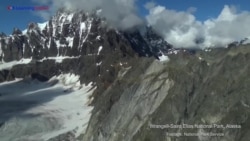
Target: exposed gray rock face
x=208 y=88
x=128 y=113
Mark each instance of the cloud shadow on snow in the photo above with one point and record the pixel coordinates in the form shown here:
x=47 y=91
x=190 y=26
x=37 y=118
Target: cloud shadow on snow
x=18 y=97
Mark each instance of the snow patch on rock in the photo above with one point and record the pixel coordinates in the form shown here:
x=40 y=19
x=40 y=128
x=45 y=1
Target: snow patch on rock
x=42 y=25
x=70 y=41
x=99 y=50
x=58 y=59
x=247 y=41
x=9 y=65
x=163 y=58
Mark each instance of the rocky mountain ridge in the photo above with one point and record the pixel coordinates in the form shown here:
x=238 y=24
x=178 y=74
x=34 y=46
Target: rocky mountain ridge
x=76 y=35
x=135 y=89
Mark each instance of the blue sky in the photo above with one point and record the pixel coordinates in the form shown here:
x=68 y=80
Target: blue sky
x=19 y=19
x=205 y=9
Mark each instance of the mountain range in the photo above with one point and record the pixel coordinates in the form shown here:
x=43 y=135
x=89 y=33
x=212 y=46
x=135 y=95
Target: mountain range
x=75 y=78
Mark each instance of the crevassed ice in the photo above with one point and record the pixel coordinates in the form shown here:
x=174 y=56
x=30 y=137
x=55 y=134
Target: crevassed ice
x=60 y=106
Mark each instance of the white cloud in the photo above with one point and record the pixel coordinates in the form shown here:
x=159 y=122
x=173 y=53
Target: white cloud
x=229 y=26
x=150 y=5
x=191 y=9
x=178 y=28
x=119 y=13
x=181 y=28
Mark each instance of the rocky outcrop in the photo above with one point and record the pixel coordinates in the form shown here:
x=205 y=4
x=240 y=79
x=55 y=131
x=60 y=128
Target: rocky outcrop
x=207 y=88
x=89 y=48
